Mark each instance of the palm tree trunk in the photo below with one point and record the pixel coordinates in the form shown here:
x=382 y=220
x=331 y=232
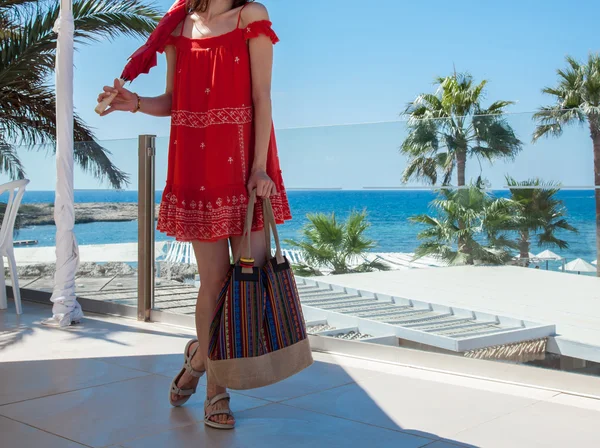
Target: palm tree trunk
x=524 y=246
x=461 y=165
x=595 y=131
x=461 y=162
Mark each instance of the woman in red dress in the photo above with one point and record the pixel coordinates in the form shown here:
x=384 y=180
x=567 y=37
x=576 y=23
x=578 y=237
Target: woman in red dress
x=222 y=146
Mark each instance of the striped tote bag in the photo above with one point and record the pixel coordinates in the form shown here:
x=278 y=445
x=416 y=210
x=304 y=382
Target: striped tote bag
x=258 y=334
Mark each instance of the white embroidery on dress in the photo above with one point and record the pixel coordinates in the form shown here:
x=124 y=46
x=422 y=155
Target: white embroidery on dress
x=242 y=151
x=202 y=188
x=237 y=60
x=202 y=146
x=207 y=91
x=229 y=115
x=210 y=223
x=230 y=160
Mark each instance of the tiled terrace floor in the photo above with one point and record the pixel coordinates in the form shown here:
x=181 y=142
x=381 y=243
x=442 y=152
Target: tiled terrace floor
x=105 y=383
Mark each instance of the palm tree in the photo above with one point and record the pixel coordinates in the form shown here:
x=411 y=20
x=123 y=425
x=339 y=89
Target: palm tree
x=576 y=100
x=448 y=127
x=537 y=214
x=336 y=247
x=27 y=47
x=467 y=228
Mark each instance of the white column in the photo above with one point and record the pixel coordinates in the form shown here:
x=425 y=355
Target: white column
x=66 y=309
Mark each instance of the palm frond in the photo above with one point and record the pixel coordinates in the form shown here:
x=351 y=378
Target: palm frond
x=31 y=120
x=10 y=164
x=552 y=119
x=108 y=19
x=422 y=168
x=576 y=97
x=305 y=270
x=495 y=138
x=27 y=52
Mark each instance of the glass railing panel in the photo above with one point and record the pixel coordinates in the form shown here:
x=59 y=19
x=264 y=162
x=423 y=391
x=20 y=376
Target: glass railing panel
x=106 y=227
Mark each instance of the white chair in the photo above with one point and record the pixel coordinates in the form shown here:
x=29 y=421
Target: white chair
x=15 y=191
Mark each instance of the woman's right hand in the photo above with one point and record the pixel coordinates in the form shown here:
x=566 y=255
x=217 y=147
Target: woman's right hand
x=124 y=101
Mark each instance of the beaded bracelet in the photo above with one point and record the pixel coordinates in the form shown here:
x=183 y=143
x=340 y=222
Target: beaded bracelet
x=138 y=105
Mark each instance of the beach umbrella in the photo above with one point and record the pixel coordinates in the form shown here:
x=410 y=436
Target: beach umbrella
x=65 y=309
x=547 y=256
x=579 y=266
x=530 y=256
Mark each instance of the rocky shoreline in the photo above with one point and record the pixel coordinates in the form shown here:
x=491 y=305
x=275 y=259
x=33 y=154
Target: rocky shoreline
x=177 y=272
x=43 y=214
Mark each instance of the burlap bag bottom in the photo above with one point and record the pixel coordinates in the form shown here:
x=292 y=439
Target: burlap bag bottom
x=260 y=371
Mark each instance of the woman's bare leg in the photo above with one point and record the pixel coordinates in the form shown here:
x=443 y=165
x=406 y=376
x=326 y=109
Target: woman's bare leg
x=259 y=249
x=213 y=263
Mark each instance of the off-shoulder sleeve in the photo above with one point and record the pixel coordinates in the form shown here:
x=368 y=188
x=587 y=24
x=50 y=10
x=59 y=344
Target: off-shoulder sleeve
x=260 y=28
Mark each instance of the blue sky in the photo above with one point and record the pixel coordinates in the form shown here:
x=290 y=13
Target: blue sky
x=339 y=63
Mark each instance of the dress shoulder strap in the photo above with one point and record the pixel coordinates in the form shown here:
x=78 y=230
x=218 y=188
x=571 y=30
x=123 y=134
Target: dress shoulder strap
x=240 y=15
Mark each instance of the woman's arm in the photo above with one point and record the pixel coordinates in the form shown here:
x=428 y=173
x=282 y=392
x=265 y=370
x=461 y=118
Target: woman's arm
x=261 y=61
x=158 y=106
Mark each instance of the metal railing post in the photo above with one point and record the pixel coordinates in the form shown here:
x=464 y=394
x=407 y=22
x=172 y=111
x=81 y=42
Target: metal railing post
x=146 y=152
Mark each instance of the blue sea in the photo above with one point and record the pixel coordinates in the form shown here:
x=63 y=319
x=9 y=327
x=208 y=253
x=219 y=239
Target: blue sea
x=388 y=213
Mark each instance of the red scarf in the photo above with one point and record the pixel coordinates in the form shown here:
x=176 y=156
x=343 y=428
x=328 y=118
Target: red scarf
x=144 y=57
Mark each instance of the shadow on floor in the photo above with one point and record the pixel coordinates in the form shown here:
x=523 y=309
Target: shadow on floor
x=14 y=328
x=322 y=406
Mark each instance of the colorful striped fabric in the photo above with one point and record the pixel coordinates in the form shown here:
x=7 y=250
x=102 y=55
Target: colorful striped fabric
x=236 y=327
x=284 y=322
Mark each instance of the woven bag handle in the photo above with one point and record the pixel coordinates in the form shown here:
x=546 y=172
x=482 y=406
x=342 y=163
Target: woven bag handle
x=245 y=249
x=271 y=224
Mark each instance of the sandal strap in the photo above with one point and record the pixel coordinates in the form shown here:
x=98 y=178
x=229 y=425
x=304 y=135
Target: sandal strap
x=212 y=401
x=187 y=365
x=223 y=412
x=183 y=392
x=195 y=373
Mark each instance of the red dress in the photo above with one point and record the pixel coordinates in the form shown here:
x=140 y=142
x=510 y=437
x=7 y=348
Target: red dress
x=211 y=147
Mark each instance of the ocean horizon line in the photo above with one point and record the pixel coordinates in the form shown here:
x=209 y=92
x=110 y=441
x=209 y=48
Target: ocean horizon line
x=337 y=189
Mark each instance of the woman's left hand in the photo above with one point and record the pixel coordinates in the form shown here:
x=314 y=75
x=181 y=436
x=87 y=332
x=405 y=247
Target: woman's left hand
x=260 y=180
